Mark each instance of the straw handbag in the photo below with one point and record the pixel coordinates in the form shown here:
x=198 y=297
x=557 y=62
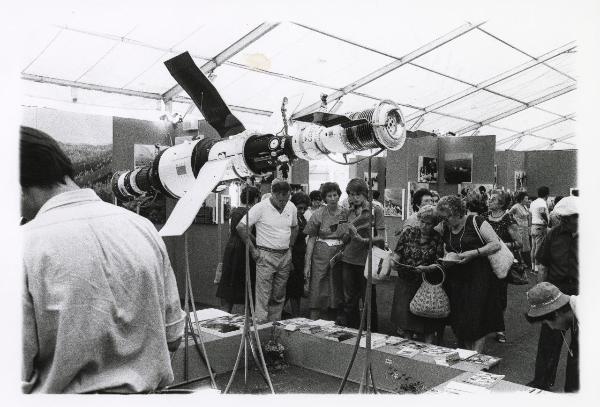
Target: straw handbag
x=430 y=300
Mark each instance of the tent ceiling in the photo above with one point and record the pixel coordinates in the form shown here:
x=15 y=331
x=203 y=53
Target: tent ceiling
x=494 y=78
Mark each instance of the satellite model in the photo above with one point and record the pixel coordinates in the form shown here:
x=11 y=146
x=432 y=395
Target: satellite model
x=191 y=170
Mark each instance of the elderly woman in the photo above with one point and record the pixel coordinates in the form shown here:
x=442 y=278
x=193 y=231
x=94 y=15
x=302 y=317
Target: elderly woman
x=326 y=230
x=505 y=226
x=416 y=253
x=473 y=289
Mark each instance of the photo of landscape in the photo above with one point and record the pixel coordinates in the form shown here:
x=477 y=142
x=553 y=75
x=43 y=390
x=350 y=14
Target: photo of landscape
x=93 y=167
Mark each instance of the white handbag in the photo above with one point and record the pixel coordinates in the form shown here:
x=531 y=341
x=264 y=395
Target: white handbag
x=380 y=264
x=502 y=260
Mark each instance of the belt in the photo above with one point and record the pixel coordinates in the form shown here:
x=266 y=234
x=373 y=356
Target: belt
x=268 y=249
x=330 y=242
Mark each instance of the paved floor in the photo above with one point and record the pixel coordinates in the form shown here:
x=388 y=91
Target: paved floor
x=518 y=353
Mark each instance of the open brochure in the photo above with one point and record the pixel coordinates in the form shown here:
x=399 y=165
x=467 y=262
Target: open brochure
x=484 y=379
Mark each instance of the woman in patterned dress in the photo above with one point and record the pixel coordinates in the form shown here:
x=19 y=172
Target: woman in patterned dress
x=418 y=247
x=505 y=226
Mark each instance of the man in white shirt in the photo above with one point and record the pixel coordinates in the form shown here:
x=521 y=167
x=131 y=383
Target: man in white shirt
x=276 y=230
x=101 y=309
x=539 y=223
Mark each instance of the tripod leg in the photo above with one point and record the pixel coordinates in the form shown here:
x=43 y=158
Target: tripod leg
x=356 y=346
x=191 y=297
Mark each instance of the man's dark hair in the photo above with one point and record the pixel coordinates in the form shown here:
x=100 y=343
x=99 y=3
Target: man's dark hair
x=557 y=199
x=328 y=187
x=280 y=186
x=253 y=194
x=43 y=163
x=376 y=194
x=543 y=192
x=482 y=189
x=475 y=203
x=551 y=316
x=315 y=196
x=520 y=196
x=300 y=198
x=417 y=197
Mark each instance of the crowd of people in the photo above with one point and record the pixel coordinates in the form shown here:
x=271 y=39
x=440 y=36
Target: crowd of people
x=331 y=249
x=101 y=308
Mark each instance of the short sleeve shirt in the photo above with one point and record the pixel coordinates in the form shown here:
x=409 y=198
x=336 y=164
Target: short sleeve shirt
x=536 y=208
x=273 y=229
x=356 y=252
x=327 y=225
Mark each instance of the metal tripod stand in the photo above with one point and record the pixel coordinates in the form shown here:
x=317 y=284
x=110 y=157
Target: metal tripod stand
x=367 y=376
x=250 y=338
x=189 y=327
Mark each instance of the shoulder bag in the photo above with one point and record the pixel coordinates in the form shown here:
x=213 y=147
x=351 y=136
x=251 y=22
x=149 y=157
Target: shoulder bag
x=430 y=300
x=380 y=261
x=502 y=260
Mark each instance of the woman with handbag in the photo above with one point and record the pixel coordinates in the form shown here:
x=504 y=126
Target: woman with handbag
x=471 y=284
x=505 y=226
x=414 y=259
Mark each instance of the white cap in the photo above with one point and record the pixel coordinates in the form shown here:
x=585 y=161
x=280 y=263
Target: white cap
x=567 y=206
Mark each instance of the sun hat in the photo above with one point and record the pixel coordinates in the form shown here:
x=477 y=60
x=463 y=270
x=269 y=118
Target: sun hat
x=567 y=206
x=545 y=298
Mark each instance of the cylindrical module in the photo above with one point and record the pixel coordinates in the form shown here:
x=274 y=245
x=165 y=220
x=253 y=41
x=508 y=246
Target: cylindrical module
x=379 y=127
x=175 y=169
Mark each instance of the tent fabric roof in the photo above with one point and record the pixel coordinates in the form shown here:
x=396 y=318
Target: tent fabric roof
x=489 y=78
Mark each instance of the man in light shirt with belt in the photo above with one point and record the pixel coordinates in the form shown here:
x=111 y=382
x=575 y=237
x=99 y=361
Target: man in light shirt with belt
x=276 y=230
x=539 y=224
x=101 y=309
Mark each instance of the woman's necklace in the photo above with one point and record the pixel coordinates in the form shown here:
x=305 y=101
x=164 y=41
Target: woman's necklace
x=492 y=214
x=459 y=240
x=329 y=211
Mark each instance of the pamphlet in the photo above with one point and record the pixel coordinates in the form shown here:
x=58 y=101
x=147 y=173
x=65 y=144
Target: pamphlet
x=464 y=388
x=439 y=352
x=394 y=340
x=484 y=379
x=209 y=313
x=339 y=335
x=407 y=352
x=224 y=326
x=485 y=360
x=465 y=353
x=414 y=344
